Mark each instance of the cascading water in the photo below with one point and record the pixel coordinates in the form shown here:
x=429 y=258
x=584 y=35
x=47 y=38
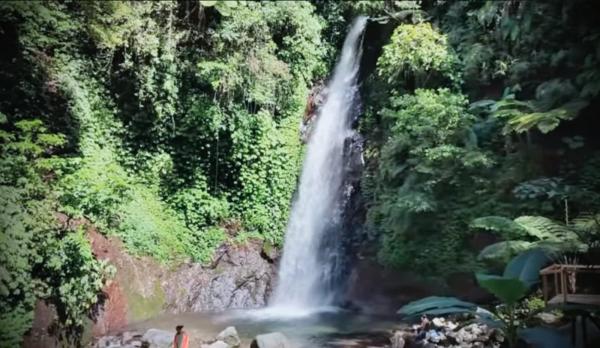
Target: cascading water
x=309 y=268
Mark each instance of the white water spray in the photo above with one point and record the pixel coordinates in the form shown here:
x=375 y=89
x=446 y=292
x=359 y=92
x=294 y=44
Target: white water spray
x=305 y=275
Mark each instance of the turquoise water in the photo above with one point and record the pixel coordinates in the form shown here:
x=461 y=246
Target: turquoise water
x=328 y=328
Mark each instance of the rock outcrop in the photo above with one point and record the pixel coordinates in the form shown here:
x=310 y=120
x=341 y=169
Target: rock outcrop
x=316 y=98
x=239 y=278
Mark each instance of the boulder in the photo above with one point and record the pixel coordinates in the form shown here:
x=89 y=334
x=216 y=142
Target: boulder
x=159 y=338
x=229 y=336
x=217 y=344
x=108 y=341
x=398 y=340
x=271 y=340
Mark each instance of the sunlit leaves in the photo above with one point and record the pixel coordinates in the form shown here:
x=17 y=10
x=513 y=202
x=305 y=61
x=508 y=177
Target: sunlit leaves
x=415 y=49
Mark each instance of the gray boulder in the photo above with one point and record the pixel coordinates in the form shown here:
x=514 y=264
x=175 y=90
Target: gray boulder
x=271 y=340
x=230 y=336
x=217 y=344
x=159 y=338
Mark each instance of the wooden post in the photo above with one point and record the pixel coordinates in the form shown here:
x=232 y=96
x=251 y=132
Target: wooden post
x=563 y=276
x=545 y=288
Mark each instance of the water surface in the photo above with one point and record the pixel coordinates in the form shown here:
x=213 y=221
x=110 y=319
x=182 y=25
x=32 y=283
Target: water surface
x=320 y=329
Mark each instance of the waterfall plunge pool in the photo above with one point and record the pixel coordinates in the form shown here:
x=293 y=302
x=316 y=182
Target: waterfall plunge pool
x=323 y=328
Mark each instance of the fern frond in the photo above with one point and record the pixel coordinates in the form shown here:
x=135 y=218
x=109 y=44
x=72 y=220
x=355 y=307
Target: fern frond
x=500 y=225
x=504 y=251
x=587 y=222
x=545 y=229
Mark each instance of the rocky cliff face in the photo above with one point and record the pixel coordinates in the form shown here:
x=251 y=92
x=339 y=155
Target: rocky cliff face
x=239 y=277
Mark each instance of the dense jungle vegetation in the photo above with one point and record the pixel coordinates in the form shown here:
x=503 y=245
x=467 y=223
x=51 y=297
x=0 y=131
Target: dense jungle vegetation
x=174 y=126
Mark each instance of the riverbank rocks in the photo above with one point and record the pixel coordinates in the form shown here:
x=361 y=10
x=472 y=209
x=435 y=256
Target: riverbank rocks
x=397 y=340
x=230 y=337
x=158 y=338
x=155 y=338
x=131 y=339
x=271 y=340
x=217 y=344
x=440 y=332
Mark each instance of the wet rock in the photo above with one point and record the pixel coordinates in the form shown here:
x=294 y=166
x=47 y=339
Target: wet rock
x=549 y=318
x=217 y=344
x=159 y=338
x=238 y=278
x=271 y=340
x=397 y=340
x=269 y=252
x=230 y=337
x=316 y=99
x=441 y=332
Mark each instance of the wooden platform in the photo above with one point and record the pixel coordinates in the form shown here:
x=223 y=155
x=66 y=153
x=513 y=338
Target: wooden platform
x=585 y=299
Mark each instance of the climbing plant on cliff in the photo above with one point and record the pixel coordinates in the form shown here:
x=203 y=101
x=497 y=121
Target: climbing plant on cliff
x=40 y=259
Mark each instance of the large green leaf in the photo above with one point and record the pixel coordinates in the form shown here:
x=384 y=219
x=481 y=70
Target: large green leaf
x=508 y=290
x=526 y=267
x=435 y=305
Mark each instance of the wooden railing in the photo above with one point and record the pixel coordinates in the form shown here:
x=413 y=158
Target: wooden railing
x=565 y=277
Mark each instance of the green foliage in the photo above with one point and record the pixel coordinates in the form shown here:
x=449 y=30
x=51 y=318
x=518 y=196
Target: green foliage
x=520 y=275
x=522 y=116
x=416 y=49
x=426 y=157
x=524 y=233
x=73 y=277
x=508 y=290
x=499 y=224
x=501 y=252
x=426 y=176
x=38 y=259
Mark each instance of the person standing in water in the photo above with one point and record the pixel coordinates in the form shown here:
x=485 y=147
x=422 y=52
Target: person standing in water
x=181 y=339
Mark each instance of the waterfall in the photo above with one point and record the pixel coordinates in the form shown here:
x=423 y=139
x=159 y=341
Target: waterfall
x=309 y=266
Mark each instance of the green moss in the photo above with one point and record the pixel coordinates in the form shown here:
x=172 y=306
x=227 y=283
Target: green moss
x=143 y=308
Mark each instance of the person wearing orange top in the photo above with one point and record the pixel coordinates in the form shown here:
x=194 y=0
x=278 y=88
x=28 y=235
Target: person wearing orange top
x=181 y=339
